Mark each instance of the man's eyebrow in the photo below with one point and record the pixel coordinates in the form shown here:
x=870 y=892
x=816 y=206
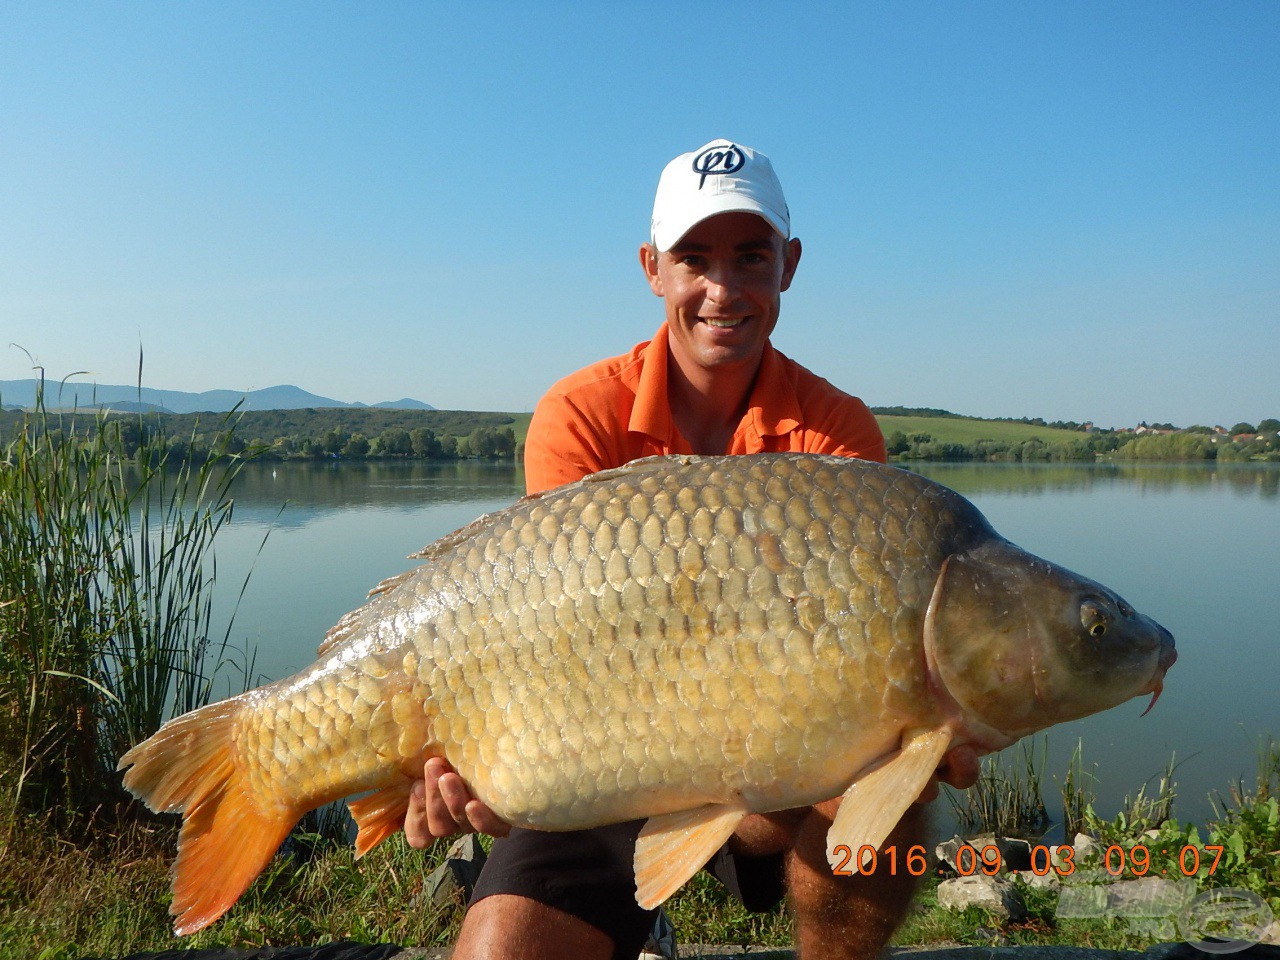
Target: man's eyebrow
x=688 y=246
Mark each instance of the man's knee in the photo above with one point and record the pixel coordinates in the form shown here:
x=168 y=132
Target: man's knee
x=509 y=927
x=851 y=916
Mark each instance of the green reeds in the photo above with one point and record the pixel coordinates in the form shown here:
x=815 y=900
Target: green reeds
x=1147 y=809
x=1006 y=800
x=1078 y=795
x=106 y=569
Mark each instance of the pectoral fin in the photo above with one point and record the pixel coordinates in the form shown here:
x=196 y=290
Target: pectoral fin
x=674 y=846
x=880 y=795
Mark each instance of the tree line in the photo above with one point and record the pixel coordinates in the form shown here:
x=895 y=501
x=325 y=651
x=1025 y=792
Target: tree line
x=1242 y=443
x=341 y=434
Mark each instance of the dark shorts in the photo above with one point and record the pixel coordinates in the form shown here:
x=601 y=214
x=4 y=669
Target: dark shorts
x=589 y=874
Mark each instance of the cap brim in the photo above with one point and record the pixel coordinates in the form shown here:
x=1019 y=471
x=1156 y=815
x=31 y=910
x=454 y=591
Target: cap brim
x=668 y=233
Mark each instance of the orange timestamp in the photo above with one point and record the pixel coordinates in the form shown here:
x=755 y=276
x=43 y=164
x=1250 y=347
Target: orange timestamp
x=1117 y=861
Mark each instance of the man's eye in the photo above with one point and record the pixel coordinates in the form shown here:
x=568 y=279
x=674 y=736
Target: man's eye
x=691 y=260
x=753 y=258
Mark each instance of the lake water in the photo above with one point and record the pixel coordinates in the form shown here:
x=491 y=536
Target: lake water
x=1196 y=547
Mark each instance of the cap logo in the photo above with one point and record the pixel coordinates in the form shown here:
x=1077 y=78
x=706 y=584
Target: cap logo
x=718 y=160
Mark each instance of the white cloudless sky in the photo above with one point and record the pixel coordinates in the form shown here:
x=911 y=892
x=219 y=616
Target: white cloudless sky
x=1066 y=210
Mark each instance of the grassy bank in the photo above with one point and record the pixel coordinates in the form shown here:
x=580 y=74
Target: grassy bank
x=964 y=430
x=107 y=895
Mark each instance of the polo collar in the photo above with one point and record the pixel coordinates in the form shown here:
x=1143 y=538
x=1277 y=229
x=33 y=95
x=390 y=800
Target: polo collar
x=651 y=414
x=774 y=409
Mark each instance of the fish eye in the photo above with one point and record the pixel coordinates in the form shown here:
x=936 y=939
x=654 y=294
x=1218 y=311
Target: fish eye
x=1095 y=617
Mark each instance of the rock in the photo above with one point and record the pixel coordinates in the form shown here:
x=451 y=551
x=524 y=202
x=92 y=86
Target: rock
x=946 y=852
x=456 y=877
x=1085 y=847
x=1036 y=881
x=1272 y=935
x=995 y=894
x=1015 y=854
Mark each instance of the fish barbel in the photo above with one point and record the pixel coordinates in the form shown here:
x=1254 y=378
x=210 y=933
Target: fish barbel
x=683 y=639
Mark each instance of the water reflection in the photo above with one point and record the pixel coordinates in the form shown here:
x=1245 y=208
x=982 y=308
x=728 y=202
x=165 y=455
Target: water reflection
x=311 y=490
x=1036 y=479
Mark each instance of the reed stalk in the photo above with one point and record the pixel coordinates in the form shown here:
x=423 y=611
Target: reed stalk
x=1006 y=800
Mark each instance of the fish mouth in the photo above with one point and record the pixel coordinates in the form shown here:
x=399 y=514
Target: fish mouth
x=1168 y=657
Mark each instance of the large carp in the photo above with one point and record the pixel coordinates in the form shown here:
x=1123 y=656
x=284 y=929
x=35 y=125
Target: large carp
x=687 y=639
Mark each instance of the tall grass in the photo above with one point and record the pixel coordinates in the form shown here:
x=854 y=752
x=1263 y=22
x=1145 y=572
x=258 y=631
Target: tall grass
x=106 y=569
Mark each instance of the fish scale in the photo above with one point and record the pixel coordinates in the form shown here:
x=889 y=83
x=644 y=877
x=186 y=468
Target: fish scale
x=682 y=639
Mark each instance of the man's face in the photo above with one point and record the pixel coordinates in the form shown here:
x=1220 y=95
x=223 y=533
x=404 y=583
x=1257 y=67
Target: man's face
x=721 y=284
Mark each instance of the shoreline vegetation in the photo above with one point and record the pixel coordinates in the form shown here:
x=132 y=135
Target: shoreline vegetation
x=911 y=434
x=106 y=580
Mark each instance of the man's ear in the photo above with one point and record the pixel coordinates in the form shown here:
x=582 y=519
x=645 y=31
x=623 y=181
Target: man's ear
x=649 y=263
x=790 y=260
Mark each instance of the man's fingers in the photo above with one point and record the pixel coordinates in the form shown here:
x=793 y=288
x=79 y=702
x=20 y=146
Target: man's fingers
x=484 y=820
x=416 y=830
x=441 y=821
x=455 y=796
x=961 y=767
x=441 y=805
x=930 y=791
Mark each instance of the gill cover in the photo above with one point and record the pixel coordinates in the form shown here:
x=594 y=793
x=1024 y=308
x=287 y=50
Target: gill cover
x=1020 y=643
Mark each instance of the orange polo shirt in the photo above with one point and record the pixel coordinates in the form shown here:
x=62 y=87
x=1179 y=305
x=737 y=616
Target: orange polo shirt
x=616 y=411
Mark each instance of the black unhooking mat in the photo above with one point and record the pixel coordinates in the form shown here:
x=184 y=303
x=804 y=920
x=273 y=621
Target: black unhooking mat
x=343 y=950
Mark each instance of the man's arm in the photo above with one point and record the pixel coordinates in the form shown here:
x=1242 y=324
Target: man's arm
x=564 y=444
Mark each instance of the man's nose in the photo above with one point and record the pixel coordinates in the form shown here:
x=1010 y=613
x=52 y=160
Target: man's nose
x=721 y=284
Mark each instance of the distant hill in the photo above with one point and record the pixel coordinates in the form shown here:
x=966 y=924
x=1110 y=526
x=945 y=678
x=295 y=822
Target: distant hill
x=22 y=393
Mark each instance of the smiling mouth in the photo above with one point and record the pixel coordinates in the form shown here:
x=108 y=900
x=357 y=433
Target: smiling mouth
x=723 y=323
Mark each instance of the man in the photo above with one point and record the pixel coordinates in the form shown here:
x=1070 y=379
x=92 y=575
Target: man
x=720 y=255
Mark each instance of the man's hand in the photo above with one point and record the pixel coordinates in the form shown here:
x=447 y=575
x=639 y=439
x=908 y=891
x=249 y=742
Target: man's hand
x=441 y=805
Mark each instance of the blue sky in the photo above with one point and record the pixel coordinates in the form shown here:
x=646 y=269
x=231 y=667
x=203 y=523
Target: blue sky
x=1066 y=210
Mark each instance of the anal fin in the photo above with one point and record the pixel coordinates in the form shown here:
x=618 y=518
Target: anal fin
x=379 y=815
x=877 y=799
x=673 y=847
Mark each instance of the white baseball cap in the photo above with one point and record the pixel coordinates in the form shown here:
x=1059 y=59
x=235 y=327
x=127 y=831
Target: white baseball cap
x=718 y=177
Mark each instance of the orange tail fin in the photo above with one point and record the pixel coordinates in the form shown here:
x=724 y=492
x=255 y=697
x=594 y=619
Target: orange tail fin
x=228 y=834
